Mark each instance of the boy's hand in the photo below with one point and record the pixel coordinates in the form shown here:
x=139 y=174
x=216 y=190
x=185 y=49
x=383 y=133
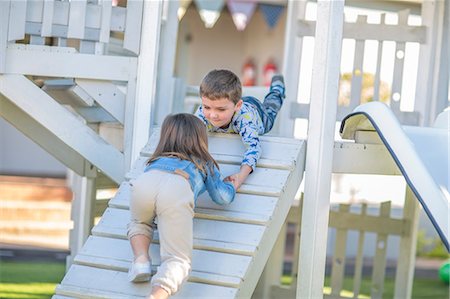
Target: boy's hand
x=238 y=178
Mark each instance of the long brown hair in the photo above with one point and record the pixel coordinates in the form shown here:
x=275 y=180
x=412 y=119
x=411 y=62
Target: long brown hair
x=184 y=136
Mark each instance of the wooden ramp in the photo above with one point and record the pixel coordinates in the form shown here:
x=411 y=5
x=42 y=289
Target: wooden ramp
x=231 y=243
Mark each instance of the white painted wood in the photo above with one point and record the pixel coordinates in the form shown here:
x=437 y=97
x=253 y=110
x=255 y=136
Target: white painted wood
x=228 y=148
x=379 y=261
x=376 y=83
x=77 y=18
x=89 y=282
x=274 y=227
x=114 y=224
x=398 y=33
x=429 y=55
x=166 y=62
x=258 y=206
x=291 y=65
x=17 y=15
x=218 y=263
x=367 y=159
x=40 y=135
x=442 y=74
x=64 y=62
x=106 y=20
x=404 y=274
x=358 y=71
x=324 y=94
x=63 y=124
x=263 y=181
x=106 y=95
x=4 y=23
x=135 y=24
x=93 y=20
x=82 y=212
x=67 y=93
x=273 y=269
x=123 y=266
x=359 y=261
x=47 y=18
x=339 y=255
x=396 y=89
x=141 y=84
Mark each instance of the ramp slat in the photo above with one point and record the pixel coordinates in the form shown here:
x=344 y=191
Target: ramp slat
x=89 y=282
x=114 y=223
x=259 y=207
x=211 y=267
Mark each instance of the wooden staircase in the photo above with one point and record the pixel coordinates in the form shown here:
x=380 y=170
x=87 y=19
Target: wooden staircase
x=231 y=243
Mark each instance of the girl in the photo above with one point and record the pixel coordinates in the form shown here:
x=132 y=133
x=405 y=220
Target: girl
x=177 y=173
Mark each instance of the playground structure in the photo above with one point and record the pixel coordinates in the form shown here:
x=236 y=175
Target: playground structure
x=110 y=68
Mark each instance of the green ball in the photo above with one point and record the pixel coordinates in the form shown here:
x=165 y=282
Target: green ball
x=444 y=272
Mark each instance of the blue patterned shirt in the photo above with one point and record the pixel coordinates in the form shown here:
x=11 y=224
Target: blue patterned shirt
x=245 y=122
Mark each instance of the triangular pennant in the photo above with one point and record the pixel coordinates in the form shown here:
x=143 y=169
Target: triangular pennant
x=184 y=4
x=209 y=11
x=241 y=12
x=271 y=13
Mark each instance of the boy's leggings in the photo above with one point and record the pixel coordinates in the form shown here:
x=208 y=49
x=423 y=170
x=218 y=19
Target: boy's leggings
x=168 y=197
x=267 y=110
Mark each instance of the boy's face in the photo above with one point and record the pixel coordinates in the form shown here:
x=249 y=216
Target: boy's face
x=220 y=112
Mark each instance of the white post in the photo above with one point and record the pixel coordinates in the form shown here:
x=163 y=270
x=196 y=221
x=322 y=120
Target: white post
x=291 y=65
x=83 y=208
x=406 y=261
x=322 y=121
x=137 y=116
x=165 y=92
x=429 y=61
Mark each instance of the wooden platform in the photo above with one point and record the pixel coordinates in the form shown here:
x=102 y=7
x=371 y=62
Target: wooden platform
x=231 y=243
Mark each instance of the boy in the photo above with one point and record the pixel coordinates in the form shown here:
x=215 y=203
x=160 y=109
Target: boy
x=224 y=110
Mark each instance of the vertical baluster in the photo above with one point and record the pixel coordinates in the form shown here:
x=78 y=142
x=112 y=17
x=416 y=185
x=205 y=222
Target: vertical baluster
x=379 y=261
x=47 y=18
x=355 y=96
x=337 y=271
x=398 y=66
x=17 y=18
x=359 y=256
x=133 y=26
x=106 y=20
x=4 y=21
x=77 y=19
x=376 y=82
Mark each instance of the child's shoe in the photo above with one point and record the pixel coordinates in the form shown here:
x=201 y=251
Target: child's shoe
x=277 y=84
x=139 y=272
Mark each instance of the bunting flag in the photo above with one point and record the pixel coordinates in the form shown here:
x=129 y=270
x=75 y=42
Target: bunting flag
x=209 y=11
x=271 y=13
x=184 y=4
x=241 y=12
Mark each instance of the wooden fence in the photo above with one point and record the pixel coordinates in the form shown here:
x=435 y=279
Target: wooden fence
x=344 y=220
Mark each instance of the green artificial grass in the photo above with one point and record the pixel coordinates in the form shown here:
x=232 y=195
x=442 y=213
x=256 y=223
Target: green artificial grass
x=29 y=280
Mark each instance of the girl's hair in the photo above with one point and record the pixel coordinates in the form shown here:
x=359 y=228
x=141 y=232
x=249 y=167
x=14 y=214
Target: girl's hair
x=184 y=136
x=219 y=84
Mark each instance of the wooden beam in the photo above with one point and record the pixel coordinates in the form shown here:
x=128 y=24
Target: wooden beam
x=63 y=124
x=41 y=136
x=65 y=62
x=4 y=23
x=142 y=84
x=381 y=32
x=324 y=93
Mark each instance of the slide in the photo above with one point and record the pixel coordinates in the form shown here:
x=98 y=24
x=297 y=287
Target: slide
x=421 y=153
